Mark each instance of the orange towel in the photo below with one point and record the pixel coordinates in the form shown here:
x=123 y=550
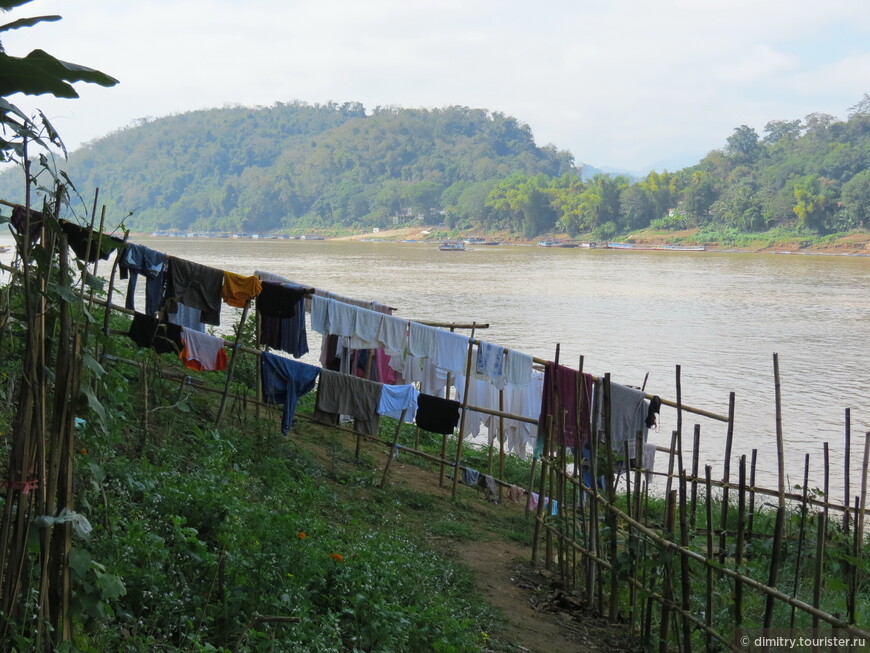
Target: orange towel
x=237 y=290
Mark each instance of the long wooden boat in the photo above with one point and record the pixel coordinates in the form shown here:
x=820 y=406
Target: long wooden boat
x=452 y=246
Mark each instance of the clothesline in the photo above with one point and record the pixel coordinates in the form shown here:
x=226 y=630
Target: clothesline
x=475 y=341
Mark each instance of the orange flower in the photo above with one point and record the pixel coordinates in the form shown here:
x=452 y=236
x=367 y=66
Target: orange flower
x=301 y=535
x=337 y=557
x=83 y=451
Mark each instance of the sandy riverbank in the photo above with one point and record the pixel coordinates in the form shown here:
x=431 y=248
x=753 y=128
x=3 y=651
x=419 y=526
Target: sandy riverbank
x=857 y=244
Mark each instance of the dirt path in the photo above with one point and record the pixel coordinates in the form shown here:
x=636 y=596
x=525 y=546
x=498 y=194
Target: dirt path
x=536 y=616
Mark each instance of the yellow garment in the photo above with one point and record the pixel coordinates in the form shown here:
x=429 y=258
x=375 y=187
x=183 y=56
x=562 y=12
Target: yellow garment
x=238 y=290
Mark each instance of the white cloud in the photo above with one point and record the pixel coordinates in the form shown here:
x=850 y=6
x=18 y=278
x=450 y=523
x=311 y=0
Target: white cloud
x=621 y=83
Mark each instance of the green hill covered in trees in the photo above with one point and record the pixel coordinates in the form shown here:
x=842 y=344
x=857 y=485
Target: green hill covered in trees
x=292 y=167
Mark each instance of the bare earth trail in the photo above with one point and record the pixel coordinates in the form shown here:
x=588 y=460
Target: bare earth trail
x=473 y=531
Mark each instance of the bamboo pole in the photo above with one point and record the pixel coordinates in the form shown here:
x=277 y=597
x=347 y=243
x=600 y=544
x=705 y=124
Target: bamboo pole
x=696 y=445
x=686 y=592
x=610 y=517
x=654 y=537
x=539 y=509
x=853 y=568
x=826 y=468
x=464 y=412
x=232 y=363
x=847 y=464
x=658 y=598
x=672 y=452
x=738 y=555
x=393 y=450
x=500 y=445
x=726 y=479
x=780 y=512
x=667 y=589
x=801 y=530
x=864 y=471
x=708 y=612
x=821 y=538
x=679 y=386
x=751 y=519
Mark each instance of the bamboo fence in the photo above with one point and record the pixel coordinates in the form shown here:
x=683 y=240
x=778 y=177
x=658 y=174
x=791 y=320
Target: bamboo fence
x=677 y=569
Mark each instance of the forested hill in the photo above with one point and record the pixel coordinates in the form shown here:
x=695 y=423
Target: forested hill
x=297 y=167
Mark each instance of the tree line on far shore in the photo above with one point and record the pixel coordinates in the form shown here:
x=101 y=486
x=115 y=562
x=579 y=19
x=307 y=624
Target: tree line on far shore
x=297 y=167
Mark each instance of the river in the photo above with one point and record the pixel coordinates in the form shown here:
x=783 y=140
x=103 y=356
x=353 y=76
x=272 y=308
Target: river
x=719 y=316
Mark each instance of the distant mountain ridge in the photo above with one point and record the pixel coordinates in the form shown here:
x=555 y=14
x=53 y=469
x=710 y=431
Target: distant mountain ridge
x=294 y=165
x=295 y=168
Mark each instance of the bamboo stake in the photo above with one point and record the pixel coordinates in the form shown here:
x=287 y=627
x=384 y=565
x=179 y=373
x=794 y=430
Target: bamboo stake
x=853 y=568
x=610 y=516
x=680 y=466
x=462 y=417
x=531 y=485
x=847 y=464
x=826 y=467
x=500 y=444
x=594 y=586
x=558 y=428
x=748 y=581
x=738 y=555
x=696 y=445
x=708 y=612
x=111 y=289
x=864 y=470
x=821 y=538
x=539 y=511
x=667 y=589
x=672 y=452
x=797 y=564
x=751 y=518
x=232 y=364
x=780 y=512
x=393 y=450
x=686 y=592
x=726 y=479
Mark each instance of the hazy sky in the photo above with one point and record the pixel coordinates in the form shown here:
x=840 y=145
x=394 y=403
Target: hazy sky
x=620 y=83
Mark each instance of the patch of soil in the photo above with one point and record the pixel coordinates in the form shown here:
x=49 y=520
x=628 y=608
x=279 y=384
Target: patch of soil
x=538 y=616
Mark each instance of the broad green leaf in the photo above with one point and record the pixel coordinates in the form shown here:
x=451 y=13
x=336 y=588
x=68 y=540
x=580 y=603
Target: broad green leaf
x=28 y=22
x=65 y=292
x=79 y=561
x=110 y=586
x=92 y=364
x=94 y=283
x=94 y=403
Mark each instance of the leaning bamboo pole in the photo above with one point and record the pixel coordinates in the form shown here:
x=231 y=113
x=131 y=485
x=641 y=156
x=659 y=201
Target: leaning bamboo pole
x=464 y=410
x=780 y=511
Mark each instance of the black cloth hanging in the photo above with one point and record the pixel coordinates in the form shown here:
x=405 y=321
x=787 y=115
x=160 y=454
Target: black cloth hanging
x=279 y=300
x=89 y=245
x=19 y=221
x=196 y=286
x=162 y=337
x=436 y=414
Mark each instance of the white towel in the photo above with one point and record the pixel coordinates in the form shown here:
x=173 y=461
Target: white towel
x=320 y=314
x=395 y=399
x=366 y=329
x=490 y=363
x=451 y=351
x=421 y=340
x=393 y=335
x=342 y=318
x=649 y=460
x=519 y=367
